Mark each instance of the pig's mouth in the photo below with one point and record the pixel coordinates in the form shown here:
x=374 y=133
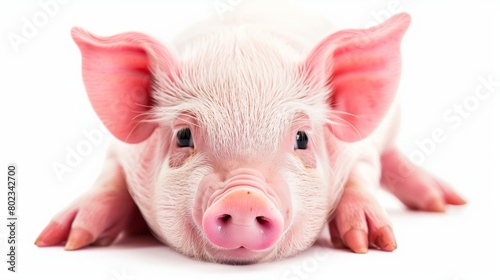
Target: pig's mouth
x=239 y=256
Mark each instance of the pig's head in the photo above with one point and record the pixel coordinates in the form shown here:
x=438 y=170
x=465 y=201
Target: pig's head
x=243 y=138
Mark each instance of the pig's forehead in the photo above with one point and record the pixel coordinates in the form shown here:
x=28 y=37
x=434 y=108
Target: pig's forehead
x=244 y=88
x=239 y=61
x=248 y=89
x=243 y=126
x=247 y=123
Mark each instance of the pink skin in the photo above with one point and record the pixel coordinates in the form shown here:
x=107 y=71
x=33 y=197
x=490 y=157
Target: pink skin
x=239 y=192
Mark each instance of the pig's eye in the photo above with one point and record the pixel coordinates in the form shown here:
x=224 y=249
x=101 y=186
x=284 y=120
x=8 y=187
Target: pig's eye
x=301 y=140
x=184 y=138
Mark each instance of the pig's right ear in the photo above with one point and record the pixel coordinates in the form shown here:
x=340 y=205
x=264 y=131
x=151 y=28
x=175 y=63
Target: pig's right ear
x=118 y=73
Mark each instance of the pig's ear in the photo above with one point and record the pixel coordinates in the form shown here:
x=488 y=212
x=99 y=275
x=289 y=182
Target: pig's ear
x=361 y=68
x=118 y=73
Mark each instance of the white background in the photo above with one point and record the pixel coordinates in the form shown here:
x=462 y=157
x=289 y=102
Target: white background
x=449 y=46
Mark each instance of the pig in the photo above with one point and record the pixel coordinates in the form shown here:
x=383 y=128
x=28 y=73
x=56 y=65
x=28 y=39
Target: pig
x=244 y=138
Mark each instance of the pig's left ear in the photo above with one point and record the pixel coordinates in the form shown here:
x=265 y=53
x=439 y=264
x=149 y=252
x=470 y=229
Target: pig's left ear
x=361 y=68
x=119 y=73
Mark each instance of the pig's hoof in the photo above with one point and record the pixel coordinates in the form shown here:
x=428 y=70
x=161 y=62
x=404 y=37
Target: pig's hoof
x=415 y=187
x=94 y=219
x=360 y=223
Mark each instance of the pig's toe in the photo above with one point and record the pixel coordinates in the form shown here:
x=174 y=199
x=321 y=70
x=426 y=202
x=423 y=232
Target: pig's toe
x=450 y=196
x=441 y=194
x=357 y=240
x=95 y=219
x=360 y=223
x=56 y=231
x=424 y=192
x=383 y=239
x=415 y=187
x=432 y=204
x=78 y=238
x=53 y=234
x=421 y=194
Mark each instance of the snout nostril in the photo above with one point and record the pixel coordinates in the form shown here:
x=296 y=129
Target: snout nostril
x=224 y=218
x=243 y=219
x=262 y=221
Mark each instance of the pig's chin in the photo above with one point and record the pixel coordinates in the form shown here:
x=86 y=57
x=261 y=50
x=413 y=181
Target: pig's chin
x=239 y=256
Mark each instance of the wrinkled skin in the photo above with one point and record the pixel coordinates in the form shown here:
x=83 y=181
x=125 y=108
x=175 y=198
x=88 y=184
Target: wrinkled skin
x=241 y=143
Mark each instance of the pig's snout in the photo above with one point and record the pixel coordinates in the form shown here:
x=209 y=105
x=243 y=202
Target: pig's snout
x=245 y=217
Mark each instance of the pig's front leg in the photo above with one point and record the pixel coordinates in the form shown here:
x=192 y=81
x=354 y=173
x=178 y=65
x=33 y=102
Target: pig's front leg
x=359 y=221
x=97 y=217
x=414 y=186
